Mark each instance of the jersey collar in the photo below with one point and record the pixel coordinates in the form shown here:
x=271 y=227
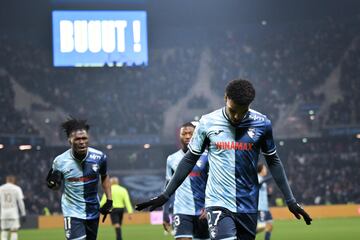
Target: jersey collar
x=81 y=161
x=223 y=110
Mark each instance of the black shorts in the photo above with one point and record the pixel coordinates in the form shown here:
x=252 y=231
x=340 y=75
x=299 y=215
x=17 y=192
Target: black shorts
x=264 y=216
x=81 y=229
x=117 y=215
x=189 y=226
x=224 y=224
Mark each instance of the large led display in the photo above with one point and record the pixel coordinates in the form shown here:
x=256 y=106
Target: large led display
x=99 y=38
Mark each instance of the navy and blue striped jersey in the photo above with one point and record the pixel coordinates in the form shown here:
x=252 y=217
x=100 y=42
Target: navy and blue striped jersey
x=80 y=197
x=190 y=196
x=233 y=153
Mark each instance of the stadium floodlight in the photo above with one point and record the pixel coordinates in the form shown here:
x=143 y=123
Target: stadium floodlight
x=25 y=147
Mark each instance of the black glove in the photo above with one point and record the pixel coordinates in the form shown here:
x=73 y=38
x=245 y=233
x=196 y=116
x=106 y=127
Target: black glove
x=53 y=179
x=23 y=219
x=106 y=209
x=153 y=203
x=297 y=210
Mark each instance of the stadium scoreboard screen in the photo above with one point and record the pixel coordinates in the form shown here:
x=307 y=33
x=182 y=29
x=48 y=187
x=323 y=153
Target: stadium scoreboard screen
x=99 y=38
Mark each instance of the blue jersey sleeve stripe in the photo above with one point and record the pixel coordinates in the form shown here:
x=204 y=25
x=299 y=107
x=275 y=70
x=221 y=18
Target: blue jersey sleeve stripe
x=184 y=236
x=229 y=238
x=80 y=238
x=270 y=153
x=193 y=151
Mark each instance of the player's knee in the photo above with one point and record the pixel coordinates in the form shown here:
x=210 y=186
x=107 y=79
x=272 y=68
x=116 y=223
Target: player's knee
x=269 y=227
x=260 y=227
x=117 y=225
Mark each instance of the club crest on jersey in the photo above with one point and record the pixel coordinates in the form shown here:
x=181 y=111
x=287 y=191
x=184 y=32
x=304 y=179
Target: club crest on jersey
x=213 y=231
x=68 y=171
x=95 y=167
x=251 y=132
x=217 y=132
x=67 y=234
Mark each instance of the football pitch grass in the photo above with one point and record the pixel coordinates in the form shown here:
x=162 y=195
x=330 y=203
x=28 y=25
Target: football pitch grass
x=329 y=229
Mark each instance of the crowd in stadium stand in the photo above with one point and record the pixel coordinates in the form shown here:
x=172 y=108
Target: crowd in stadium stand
x=11 y=120
x=344 y=110
x=30 y=169
x=323 y=171
x=285 y=64
x=125 y=100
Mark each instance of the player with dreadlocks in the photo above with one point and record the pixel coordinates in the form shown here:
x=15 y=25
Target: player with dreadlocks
x=80 y=168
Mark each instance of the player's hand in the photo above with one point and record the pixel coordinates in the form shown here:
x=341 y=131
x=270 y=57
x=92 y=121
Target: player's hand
x=167 y=226
x=203 y=214
x=23 y=219
x=298 y=211
x=153 y=203
x=106 y=209
x=53 y=179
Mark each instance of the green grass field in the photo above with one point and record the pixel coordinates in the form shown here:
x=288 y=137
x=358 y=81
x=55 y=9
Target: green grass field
x=329 y=229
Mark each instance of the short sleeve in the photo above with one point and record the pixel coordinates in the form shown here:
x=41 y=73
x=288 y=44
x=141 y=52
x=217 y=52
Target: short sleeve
x=20 y=194
x=169 y=171
x=268 y=145
x=55 y=165
x=198 y=140
x=103 y=165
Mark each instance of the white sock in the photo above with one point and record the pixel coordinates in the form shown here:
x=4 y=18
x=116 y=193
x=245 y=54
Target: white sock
x=13 y=236
x=4 y=235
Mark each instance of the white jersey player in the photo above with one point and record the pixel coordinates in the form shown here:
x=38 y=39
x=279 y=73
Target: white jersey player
x=12 y=207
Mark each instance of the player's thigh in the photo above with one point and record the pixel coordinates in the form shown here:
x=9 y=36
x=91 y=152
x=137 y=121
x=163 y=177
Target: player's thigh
x=10 y=224
x=183 y=226
x=201 y=228
x=261 y=221
x=92 y=227
x=221 y=223
x=268 y=216
x=74 y=228
x=246 y=225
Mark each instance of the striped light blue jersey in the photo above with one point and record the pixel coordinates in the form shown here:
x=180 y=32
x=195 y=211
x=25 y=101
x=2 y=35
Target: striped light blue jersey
x=233 y=153
x=263 y=196
x=190 y=196
x=80 y=197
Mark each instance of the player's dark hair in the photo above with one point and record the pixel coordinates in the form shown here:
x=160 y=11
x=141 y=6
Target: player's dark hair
x=73 y=124
x=240 y=91
x=260 y=167
x=11 y=178
x=188 y=124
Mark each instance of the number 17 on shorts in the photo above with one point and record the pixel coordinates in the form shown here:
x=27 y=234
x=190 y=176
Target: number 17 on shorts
x=213 y=217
